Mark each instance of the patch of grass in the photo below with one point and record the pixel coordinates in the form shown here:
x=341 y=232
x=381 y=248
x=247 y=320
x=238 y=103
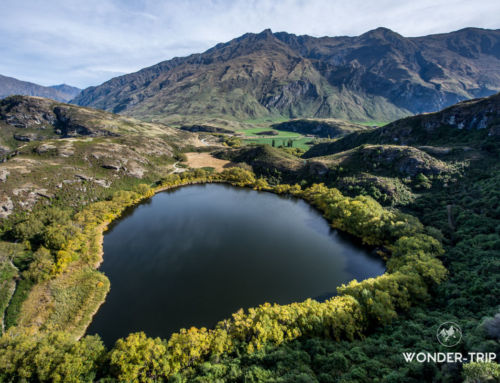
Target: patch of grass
x=76 y=297
x=298 y=142
x=8 y=273
x=23 y=288
x=372 y=123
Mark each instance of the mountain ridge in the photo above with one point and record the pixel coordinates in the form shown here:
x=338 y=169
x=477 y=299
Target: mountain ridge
x=10 y=86
x=379 y=75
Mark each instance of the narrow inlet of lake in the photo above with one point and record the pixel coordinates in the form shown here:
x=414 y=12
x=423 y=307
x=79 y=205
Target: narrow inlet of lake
x=194 y=255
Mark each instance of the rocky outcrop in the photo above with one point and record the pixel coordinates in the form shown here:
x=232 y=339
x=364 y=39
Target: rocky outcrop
x=39 y=118
x=6 y=206
x=28 y=137
x=45 y=148
x=4 y=173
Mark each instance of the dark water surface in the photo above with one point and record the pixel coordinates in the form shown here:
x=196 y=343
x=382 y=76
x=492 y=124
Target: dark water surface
x=192 y=256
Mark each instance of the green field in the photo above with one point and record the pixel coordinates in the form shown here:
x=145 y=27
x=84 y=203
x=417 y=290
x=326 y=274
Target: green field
x=298 y=141
x=281 y=139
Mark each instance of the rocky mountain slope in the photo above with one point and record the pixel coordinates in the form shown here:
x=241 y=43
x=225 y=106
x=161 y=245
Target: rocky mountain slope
x=50 y=151
x=10 y=86
x=468 y=124
x=379 y=75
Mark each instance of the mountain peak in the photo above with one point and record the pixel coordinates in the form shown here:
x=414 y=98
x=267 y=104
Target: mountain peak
x=264 y=35
x=381 y=32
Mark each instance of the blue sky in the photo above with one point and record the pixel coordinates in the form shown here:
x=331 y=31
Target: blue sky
x=85 y=43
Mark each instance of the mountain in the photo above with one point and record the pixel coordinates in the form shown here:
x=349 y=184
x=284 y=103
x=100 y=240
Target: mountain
x=379 y=76
x=69 y=92
x=10 y=86
x=473 y=123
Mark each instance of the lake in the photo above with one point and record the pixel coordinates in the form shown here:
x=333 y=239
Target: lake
x=194 y=255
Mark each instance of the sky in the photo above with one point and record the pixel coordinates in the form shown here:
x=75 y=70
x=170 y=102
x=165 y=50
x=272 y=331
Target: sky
x=85 y=43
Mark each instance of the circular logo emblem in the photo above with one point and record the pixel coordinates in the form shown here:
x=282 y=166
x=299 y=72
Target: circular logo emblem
x=449 y=334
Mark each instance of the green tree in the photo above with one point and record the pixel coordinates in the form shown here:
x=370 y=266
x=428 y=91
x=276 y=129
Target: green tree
x=138 y=358
x=481 y=372
x=26 y=355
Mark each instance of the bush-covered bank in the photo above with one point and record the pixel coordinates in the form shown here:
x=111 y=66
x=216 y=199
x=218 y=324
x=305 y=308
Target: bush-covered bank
x=469 y=297
x=413 y=270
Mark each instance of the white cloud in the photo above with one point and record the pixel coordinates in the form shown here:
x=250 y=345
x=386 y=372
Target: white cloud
x=86 y=43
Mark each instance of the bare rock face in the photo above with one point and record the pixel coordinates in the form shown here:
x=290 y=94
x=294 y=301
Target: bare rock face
x=66 y=150
x=6 y=206
x=133 y=169
x=103 y=183
x=112 y=165
x=482 y=115
x=4 y=151
x=4 y=173
x=28 y=112
x=28 y=137
x=83 y=177
x=44 y=148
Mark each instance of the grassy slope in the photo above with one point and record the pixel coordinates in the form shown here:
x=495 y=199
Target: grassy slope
x=70 y=173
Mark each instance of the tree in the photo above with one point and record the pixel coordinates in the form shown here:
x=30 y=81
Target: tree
x=481 y=372
x=27 y=355
x=138 y=358
x=41 y=268
x=422 y=181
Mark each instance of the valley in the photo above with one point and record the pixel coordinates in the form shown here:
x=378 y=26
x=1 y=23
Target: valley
x=279 y=208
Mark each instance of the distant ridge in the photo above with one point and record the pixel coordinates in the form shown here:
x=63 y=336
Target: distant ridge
x=379 y=75
x=10 y=86
x=472 y=123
